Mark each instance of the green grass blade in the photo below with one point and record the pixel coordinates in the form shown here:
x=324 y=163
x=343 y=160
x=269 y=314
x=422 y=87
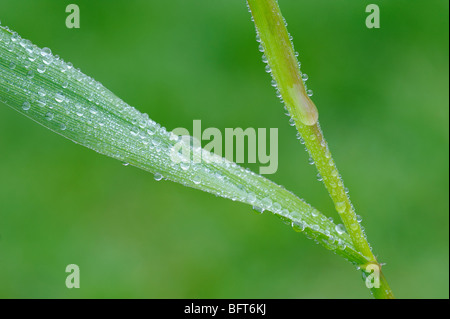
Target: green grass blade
x=280 y=55
x=53 y=93
x=281 y=58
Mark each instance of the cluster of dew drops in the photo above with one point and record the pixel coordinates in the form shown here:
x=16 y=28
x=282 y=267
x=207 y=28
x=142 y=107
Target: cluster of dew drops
x=85 y=107
x=340 y=228
x=143 y=136
x=274 y=84
x=268 y=69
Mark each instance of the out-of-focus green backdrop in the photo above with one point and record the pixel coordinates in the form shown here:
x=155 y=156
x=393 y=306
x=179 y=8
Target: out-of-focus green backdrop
x=382 y=96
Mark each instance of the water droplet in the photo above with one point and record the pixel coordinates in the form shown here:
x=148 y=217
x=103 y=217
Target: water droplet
x=309 y=93
x=300 y=138
x=276 y=207
x=156 y=141
x=41 y=68
x=341 y=245
x=264 y=59
x=65 y=85
x=298 y=226
x=47 y=59
x=273 y=83
x=49 y=116
x=251 y=197
x=184 y=166
x=26 y=106
x=46 y=52
x=30 y=74
x=42 y=92
x=158 y=177
x=15 y=37
x=12 y=65
x=291 y=122
x=258 y=209
x=59 y=97
x=40 y=103
x=340 y=229
x=267 y=202
x=341 y=207
x=151 y=130
x=196 y=179
x=279 y=95
x=358 y=218
x=305 y=77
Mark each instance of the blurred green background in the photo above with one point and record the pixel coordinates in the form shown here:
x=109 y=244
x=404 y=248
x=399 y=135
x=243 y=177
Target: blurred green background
x=383 y=101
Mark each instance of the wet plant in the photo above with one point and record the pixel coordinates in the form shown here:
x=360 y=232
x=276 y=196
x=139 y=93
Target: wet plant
x=55 y=94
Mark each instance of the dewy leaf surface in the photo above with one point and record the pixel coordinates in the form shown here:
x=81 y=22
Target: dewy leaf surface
x=55 y=94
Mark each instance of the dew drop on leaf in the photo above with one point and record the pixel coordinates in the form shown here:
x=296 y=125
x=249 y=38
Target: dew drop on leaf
x=258 y=209
x=41 y=68
x=340 y=229
x=49 y=116
x=26 y=106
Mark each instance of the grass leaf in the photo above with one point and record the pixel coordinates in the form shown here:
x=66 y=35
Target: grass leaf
x=55 y=94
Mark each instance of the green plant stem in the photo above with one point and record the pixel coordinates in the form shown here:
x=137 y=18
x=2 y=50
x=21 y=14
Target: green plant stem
x=285 y=69
x=384 y=291
x=320 y=154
